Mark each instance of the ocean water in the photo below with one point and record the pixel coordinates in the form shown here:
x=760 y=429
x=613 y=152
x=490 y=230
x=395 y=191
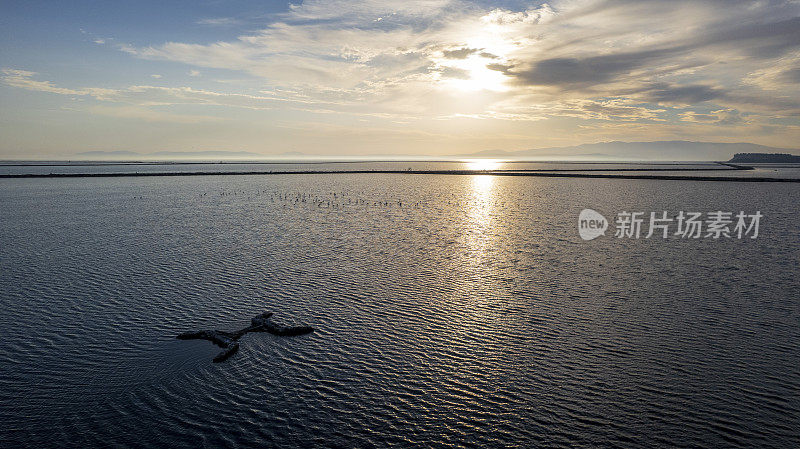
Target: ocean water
x=450 y=311
x=694 y=169
x=45 y=167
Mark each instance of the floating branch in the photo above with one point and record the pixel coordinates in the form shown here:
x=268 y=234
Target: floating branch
x=229 y=341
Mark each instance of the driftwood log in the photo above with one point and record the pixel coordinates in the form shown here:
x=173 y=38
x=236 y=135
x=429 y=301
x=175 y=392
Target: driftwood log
x=229 y=341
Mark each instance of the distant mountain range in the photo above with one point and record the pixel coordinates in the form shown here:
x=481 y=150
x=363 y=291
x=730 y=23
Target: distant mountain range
x=133 y=155
x=668 y=150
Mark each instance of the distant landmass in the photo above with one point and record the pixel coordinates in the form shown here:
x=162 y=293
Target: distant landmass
x=764 y=157
x=133 y=155
x=669 y=150
x=107 y=154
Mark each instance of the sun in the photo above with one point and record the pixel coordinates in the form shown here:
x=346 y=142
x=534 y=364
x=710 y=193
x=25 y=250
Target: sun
x=469 y=70
x=477 y=75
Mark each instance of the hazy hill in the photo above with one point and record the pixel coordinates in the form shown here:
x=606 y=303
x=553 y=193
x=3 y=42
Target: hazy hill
x=672 y=150
x=167 y=155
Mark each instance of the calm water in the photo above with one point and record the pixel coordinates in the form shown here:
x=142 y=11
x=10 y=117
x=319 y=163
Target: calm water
x=11 y=167
x=620 y=168
x=450 y=311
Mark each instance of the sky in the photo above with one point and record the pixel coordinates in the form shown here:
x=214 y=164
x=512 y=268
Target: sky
x=384 y=77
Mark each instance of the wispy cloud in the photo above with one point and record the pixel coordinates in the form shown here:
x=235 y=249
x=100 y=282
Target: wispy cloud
x=23 y=79
x=721 y=117
x=137 y=100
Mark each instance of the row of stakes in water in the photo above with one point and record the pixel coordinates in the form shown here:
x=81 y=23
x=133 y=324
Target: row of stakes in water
x=341 y=199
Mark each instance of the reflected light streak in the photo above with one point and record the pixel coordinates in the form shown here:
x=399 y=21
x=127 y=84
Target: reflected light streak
x=483 y=164
x=480 y=226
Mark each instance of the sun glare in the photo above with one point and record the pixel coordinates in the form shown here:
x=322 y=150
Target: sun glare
x=470 y=72
x=477 y=75
x=483 y=164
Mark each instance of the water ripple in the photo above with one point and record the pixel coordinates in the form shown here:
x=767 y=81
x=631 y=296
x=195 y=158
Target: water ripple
x=450 y=312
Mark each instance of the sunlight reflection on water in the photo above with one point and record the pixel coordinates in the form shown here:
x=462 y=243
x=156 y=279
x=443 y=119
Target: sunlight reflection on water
x=483 y=164
x=480 y=219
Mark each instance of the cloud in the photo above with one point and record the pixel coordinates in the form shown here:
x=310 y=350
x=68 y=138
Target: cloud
x=460 y=53
x=580 y=72
x=791 y=76
x=527 y=109
x=140 y=97
x=135 y=100
x=649 y=62
x=351 y=12
x=719 y=117
x=781 y=75
x=682 y=95
x=595 y=47
x=155 y=76
x=23 y=80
